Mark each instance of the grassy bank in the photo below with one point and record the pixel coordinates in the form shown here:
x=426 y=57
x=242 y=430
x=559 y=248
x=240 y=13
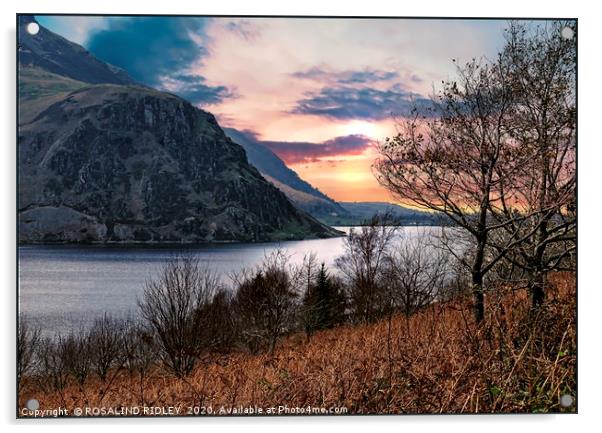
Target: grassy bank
x=435 y=361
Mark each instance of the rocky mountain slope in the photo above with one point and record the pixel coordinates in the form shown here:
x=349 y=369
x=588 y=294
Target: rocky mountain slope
x=53 y=53
x=124 y=163
x=300 y=192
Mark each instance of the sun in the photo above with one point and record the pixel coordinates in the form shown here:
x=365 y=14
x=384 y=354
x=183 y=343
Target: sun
x=358 y=127
x=355 y=176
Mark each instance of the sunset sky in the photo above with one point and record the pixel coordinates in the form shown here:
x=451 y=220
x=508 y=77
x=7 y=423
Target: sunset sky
x=318 y=92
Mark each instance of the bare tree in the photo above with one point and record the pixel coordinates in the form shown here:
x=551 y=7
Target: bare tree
x=172 y=307
x=457 y=283
x=309 y=270
x=541 y=67
x=454 y=159
x=139 y=352
x=54 y=374
x=104 y=341
x=27 y=346
x=362 y=268
x=266 y=300
x=416 y=271
x=76 y=356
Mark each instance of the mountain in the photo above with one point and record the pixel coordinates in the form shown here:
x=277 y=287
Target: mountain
x=288 y=181
x=360 y=212
x=313 y=201
x=101 y=159
x=53 y=53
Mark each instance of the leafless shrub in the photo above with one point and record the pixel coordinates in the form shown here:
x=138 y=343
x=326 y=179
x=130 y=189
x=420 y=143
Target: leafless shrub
x=77 y=356
x=362 y=267
x=265 y=302
x=53 y=372
x=105 y=345
x=415 y=272
x=172 y=306
x=218 y=321
x=456 y=286
x=27 y=345
x=139 y=351
x=138 y=347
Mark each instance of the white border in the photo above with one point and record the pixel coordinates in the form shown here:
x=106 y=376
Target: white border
x=589 y=209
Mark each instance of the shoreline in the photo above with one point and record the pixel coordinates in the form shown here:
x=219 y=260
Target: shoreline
x=171 y=244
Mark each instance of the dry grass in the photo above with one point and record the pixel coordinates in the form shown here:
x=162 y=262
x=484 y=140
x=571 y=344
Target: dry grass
x=438 y=361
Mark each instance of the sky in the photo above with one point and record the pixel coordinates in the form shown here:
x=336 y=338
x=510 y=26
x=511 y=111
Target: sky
x=318 y=92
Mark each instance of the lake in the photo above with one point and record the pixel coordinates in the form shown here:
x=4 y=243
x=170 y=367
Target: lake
x=64 y=288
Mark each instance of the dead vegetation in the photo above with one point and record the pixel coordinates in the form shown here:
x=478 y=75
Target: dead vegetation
x=435 y=361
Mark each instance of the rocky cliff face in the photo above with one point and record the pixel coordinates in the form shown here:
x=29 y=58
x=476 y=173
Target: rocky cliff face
x=114 y=163
x=125 y=163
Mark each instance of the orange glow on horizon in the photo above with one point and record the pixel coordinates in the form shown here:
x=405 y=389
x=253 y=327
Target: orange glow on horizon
x=346 y=178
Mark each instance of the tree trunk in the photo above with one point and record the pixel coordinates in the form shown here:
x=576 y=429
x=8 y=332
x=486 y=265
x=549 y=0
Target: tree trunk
x=537 y=289
x=477 y=279
x=479 y=298
x=272 y=345
x=537 y=277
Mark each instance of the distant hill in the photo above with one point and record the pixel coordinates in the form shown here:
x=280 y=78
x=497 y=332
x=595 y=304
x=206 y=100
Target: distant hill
x=361 y=212
x=300 y=192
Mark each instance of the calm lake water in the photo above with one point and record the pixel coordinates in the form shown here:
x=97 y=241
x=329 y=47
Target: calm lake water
x=63 y=288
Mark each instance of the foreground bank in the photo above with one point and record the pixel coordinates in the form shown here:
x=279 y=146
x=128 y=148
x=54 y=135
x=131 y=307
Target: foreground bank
x=435 y=361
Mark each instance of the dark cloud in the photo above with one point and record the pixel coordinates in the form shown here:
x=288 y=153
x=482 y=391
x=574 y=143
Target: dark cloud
x=149 y=47
x=154 y=49
x=344 y=102
x=244 y=28
x=368 y=76
x=415 y=78
x=294 y=152
x=194 y=89
x=346 y=77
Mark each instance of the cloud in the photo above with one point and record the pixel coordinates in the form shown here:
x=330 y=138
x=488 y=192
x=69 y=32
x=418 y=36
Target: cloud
x=362 y=76
x=75 y=28
x=194 y=89
x=154 y=51
x=149 y=47
x=244 y=28
x=365 y=103
x=296 y=152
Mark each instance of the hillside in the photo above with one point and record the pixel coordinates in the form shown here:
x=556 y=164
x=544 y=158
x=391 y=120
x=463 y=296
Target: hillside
x=53 y=53
x=435 y=361
x=360 y=212
x=300 y=192
x=119 y=162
